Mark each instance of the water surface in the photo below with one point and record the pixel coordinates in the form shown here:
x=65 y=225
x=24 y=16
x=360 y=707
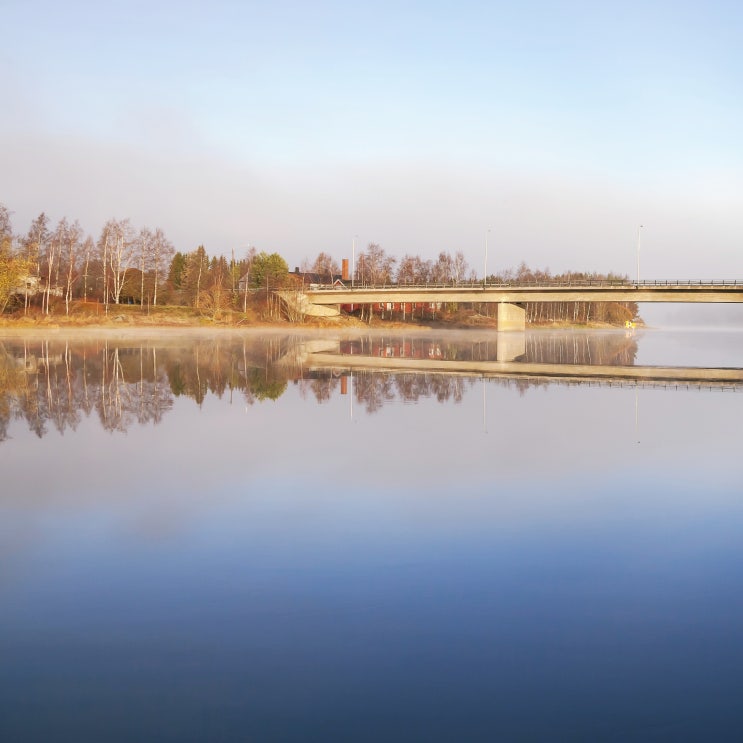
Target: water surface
x=209 y=539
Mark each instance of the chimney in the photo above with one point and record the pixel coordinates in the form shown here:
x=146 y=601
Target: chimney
x=345 y=276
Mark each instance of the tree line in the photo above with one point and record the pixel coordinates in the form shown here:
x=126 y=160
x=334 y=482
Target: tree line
x=50 y=267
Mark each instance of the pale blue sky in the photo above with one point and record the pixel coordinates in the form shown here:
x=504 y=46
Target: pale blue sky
x=293 y=126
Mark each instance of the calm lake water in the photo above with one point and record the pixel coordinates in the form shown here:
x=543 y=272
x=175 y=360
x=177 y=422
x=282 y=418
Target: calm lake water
x=219 y=539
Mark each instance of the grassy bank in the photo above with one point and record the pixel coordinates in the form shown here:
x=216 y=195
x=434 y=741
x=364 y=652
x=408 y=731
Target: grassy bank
x=92 y=314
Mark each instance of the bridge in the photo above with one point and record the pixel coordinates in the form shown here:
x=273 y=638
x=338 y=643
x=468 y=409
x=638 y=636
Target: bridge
x=510 y=296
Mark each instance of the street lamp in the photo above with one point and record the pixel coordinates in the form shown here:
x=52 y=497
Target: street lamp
x=485 y=277
x=247 y=281
x=353 y=259
x=639 y=231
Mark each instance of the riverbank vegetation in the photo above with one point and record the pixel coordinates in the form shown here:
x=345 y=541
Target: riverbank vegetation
x=59 y=274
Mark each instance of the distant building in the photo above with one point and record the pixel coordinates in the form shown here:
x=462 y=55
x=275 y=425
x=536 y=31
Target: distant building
x=33 y=285
x=314 y=280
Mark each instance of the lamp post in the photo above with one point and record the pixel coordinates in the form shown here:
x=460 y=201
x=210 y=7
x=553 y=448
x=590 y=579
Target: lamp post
x=639 y=231
x=353 y=259
x=247 y=281
x=485 y=277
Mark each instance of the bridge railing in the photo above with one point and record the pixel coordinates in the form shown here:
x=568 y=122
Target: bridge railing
x=549 y=283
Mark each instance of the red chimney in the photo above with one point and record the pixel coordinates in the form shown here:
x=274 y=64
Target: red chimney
x=345 y=275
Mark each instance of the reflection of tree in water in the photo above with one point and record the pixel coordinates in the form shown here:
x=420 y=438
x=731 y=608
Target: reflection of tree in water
x=373 y=389
x=55 y=383
x=547 y=348
x=411 y=387
x=611 y=349
x=133 y=387
x=58 y=382
x=12 y=387
x=263 y=384
x=323 y=388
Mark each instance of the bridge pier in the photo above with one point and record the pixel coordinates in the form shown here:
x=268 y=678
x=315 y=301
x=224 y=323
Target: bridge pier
x=511 y=317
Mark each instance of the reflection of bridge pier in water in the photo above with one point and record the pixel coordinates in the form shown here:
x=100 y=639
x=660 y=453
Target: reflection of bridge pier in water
x=510 y=347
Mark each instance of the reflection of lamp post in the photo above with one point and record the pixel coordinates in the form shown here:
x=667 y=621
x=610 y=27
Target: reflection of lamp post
x=639 y=231
x=637 y=414
x=485 y=278
x=484 y=415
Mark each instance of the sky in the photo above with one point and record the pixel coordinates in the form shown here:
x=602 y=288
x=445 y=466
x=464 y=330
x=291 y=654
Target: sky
x=553 y=130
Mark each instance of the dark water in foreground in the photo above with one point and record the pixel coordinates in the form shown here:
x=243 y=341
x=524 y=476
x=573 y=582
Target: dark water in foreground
x=211 y=540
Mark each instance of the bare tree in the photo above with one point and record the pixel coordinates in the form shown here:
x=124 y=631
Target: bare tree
x=325 y=267
x=34 y=244
x=144 y=249
x=459 y=267
x=73 y=240
x=55 y=244
x=375 y=266
x=162 y=252
x=116 y=245
x=87 y=250
x=443 y=269
x=406 y=273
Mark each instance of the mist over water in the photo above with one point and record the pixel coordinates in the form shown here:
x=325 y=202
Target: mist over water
x=211 y=538
x=667 y=316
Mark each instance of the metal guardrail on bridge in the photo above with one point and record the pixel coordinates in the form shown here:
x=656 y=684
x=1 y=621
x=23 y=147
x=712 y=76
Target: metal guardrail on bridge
x=549 y=283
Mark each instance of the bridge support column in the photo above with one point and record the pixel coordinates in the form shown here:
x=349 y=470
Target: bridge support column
x=511 y=317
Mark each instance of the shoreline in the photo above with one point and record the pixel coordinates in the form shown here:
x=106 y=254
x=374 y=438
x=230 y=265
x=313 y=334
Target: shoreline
x=202 y=331
x=139 y=324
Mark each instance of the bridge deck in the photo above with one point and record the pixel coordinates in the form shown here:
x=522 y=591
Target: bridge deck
x=599 y=291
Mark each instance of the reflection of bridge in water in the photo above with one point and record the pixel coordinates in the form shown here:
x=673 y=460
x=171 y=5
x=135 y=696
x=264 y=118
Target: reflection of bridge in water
x=56 y=383
x=506 y=356
x=509 y=298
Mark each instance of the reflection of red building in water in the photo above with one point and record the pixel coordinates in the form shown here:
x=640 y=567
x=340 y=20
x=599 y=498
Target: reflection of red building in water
x=392 y=348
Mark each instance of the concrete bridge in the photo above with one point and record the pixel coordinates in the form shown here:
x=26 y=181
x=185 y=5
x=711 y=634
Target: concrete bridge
x=510 y=297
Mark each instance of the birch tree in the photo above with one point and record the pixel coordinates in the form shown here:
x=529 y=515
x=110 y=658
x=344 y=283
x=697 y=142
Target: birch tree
x=162 y=252
x=144 y=249
x=375 y=266
x=54 y=247
x=325 y=267
x=73 y=239
x=116 y=245
x=88 y=246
